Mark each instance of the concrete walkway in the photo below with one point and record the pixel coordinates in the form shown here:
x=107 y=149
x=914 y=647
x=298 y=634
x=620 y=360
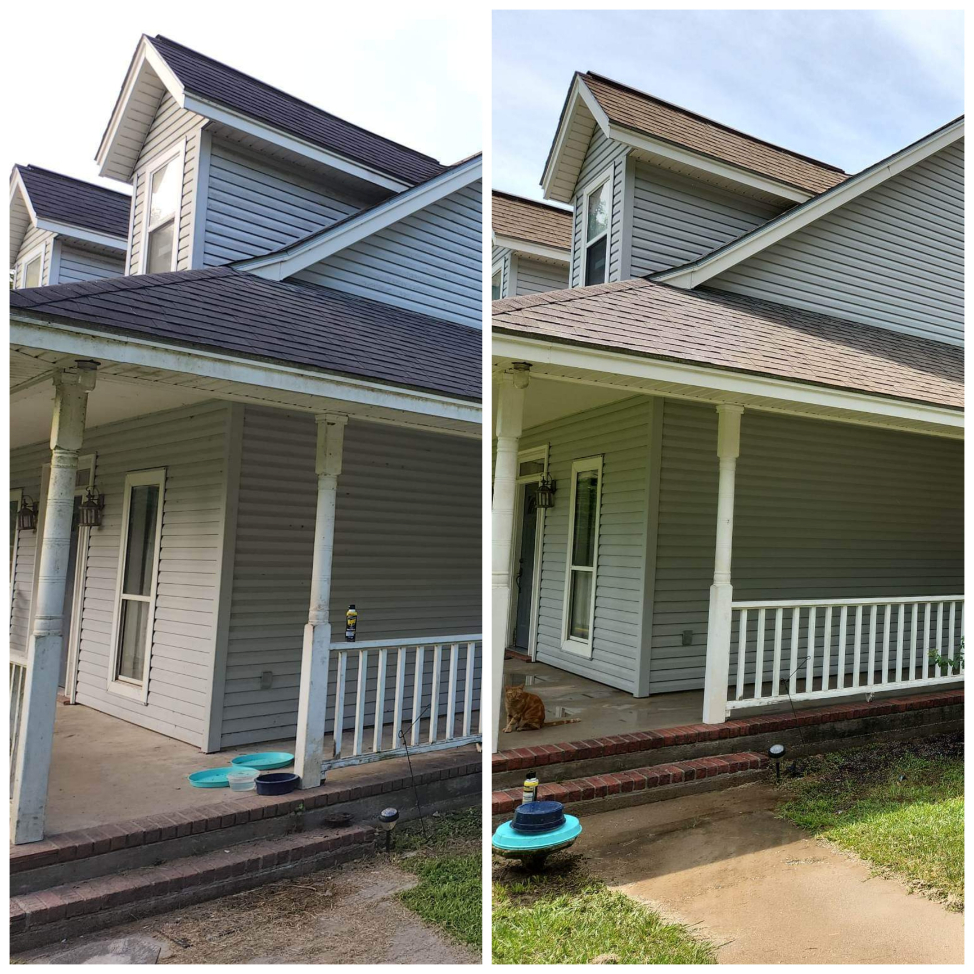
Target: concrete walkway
x=761 y=889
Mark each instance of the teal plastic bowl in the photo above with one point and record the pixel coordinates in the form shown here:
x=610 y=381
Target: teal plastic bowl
x=265 y=760
x=213 y=777
x=516 y=845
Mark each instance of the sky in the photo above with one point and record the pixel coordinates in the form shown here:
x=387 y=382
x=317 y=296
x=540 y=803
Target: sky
x=845 y=87
x=409 y=78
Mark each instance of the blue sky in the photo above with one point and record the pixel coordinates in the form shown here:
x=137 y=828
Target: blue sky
x=846 y=87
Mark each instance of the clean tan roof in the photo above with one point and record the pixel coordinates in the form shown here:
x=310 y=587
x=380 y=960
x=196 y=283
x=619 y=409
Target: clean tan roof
x=514 y=216
x=661 y=120
x=740 y=334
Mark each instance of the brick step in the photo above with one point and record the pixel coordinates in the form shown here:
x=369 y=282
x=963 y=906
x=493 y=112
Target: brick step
x=636 y=785
x=447 y=780
x=809 y=730
x=62 y=911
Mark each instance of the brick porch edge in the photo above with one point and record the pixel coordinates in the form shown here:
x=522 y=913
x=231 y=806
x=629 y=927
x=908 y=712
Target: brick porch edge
x=542 y=754
x=638 y=779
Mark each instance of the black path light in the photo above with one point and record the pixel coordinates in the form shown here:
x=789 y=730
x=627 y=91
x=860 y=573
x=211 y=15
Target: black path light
x=91 y=509
x=776 y=752
x=27 y=515
x=388 y=819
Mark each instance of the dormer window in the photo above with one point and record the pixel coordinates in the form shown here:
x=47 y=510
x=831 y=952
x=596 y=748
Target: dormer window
x=162 y=214
x=31 y=276
x=598 y=203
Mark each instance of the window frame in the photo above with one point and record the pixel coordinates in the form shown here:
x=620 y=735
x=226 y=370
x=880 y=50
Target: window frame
x=603 y=179
x=572 y=644
x=164 y=158
x=498 y=274
x=136 y=690
x=37 y=253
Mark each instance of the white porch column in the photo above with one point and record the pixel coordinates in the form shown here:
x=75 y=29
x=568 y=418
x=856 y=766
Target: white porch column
x=510 y=418
x=722 y=592
x=47 y=637
x=313 y=700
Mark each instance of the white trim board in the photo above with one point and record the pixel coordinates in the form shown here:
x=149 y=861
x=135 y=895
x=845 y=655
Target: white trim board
x=531 y=249
x=696 y=273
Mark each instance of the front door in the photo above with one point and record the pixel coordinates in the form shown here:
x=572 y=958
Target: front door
x=524 y=575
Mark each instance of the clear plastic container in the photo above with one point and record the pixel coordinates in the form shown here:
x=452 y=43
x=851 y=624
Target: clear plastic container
x=242 y=779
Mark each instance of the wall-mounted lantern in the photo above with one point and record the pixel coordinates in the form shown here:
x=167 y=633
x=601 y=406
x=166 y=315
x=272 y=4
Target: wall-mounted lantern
x=91 y=509
x=27 y=515
x=546 y=492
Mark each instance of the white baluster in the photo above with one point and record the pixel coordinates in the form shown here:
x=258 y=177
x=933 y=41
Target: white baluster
x=340 y=701
x=400 y=693
x=380 y=701
x=451 y=696
x=361 y=691
x=417 y=694
x=857 y=647
x=810 y=650
x=952 y=622
x=796 y=615
x=887 y=620
x=776 y=667
x=900 y=617
x=827 y=647
x=925 y=669
x=843 y=632
x=468 y=689
x=872 y=646
x=435 y=693
x=759 y=658
x=938 y=669
x=914 y=619
x=741 y=653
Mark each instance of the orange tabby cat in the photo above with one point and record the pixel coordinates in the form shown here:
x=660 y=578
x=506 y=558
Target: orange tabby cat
x=525 y=711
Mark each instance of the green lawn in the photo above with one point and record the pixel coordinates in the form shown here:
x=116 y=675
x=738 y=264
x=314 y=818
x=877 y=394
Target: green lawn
x=447 y=859
x=563 y=916
x=898 y=806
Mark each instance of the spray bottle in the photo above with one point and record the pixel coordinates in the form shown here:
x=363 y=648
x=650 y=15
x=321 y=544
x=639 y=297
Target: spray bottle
x=530 y=793
x=351 y=621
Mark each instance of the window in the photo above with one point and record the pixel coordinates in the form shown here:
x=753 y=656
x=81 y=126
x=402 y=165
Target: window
x=495 y=286
x=583 y=552
x=162 y=214
x=136 y=587
x=32 y=272
x=598 y=203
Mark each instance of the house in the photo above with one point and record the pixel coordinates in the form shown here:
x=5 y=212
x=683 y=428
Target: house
x=729 y=459
x=63 y=229
x=273 y=414
x=531 y=246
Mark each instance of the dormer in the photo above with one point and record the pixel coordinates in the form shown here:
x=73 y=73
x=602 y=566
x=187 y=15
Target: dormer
x=224 y=167
x=653 y=186
x=531 y=246
x=64 y=230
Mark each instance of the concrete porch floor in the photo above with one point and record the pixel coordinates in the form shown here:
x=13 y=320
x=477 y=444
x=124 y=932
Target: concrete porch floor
x=106 y=770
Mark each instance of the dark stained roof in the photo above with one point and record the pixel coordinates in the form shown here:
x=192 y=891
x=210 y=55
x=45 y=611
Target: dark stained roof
x=641 y=112
x=740 y=334
x=65 y=199
x=217 y=82
x=298 y=324
x=514 y=216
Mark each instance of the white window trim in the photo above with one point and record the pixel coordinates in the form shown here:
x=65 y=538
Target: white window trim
x=177 y=151
x=498 y=274
x=572 y=644
x=31 y=255
x=116 y=684
x=600 y=180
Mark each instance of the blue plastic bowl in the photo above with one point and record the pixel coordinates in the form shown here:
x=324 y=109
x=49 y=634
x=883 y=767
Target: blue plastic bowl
x=265 y=760
x=277 y=783
x=213 y=777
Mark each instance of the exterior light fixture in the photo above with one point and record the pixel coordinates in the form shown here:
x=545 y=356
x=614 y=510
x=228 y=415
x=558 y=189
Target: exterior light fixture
x=546 y=492
x=776 y=752
x=92 y=506
x=27 y=515
x=388 y=819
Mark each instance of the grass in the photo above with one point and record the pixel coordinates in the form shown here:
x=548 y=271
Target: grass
x=447 y=860
x=898 y=806
x=563 y=916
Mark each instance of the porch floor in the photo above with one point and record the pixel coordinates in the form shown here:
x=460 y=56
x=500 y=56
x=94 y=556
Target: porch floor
x=107 y=770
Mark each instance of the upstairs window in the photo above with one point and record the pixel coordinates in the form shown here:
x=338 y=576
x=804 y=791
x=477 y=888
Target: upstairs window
x=495 y=287
x=30 y=275
x=162 y=214
x=596 y=215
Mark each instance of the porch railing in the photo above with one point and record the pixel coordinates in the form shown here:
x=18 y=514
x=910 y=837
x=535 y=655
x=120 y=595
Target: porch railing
x=809 y=649
x=394 y=695
x=18 y=679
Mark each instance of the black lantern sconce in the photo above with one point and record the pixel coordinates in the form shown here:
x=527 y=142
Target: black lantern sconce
x=27 y=515
x=92 y=506
x=546 y=492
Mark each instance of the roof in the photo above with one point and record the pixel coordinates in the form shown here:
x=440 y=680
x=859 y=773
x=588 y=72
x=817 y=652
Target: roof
x=64 y=199
x=740 y=334
x=522 y=219
x=660 y=119
x=298 y=324
x=212 y=80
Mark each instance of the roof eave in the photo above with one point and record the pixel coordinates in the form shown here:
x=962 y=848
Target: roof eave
x=532 y=248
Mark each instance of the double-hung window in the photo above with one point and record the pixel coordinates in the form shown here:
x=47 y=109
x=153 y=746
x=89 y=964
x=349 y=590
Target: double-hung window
x=135 y=596
x=597 y=213
x=495 y=285
x=33 y=269
x=161 y=231
x=583 y=555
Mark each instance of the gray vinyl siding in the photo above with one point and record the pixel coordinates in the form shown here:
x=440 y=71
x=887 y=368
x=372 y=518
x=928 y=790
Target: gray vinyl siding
x=254 y=207
x=75 y=264
x=191 y=444
x=602 y=153
x=893 y=257
x=171 y=126
x=428 y=262
x=407 y=553
x=535 y=276
x=621 y=434
x=823 y=510
x=33 y=240
x=676 y=219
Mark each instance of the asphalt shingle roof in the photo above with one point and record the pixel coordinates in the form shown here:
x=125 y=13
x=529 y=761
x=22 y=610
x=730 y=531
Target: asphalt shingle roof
x=65 y=199
x=740 y=334
x=217 y=82
x=514 y=216
x=298 y=324
x=643 y=113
